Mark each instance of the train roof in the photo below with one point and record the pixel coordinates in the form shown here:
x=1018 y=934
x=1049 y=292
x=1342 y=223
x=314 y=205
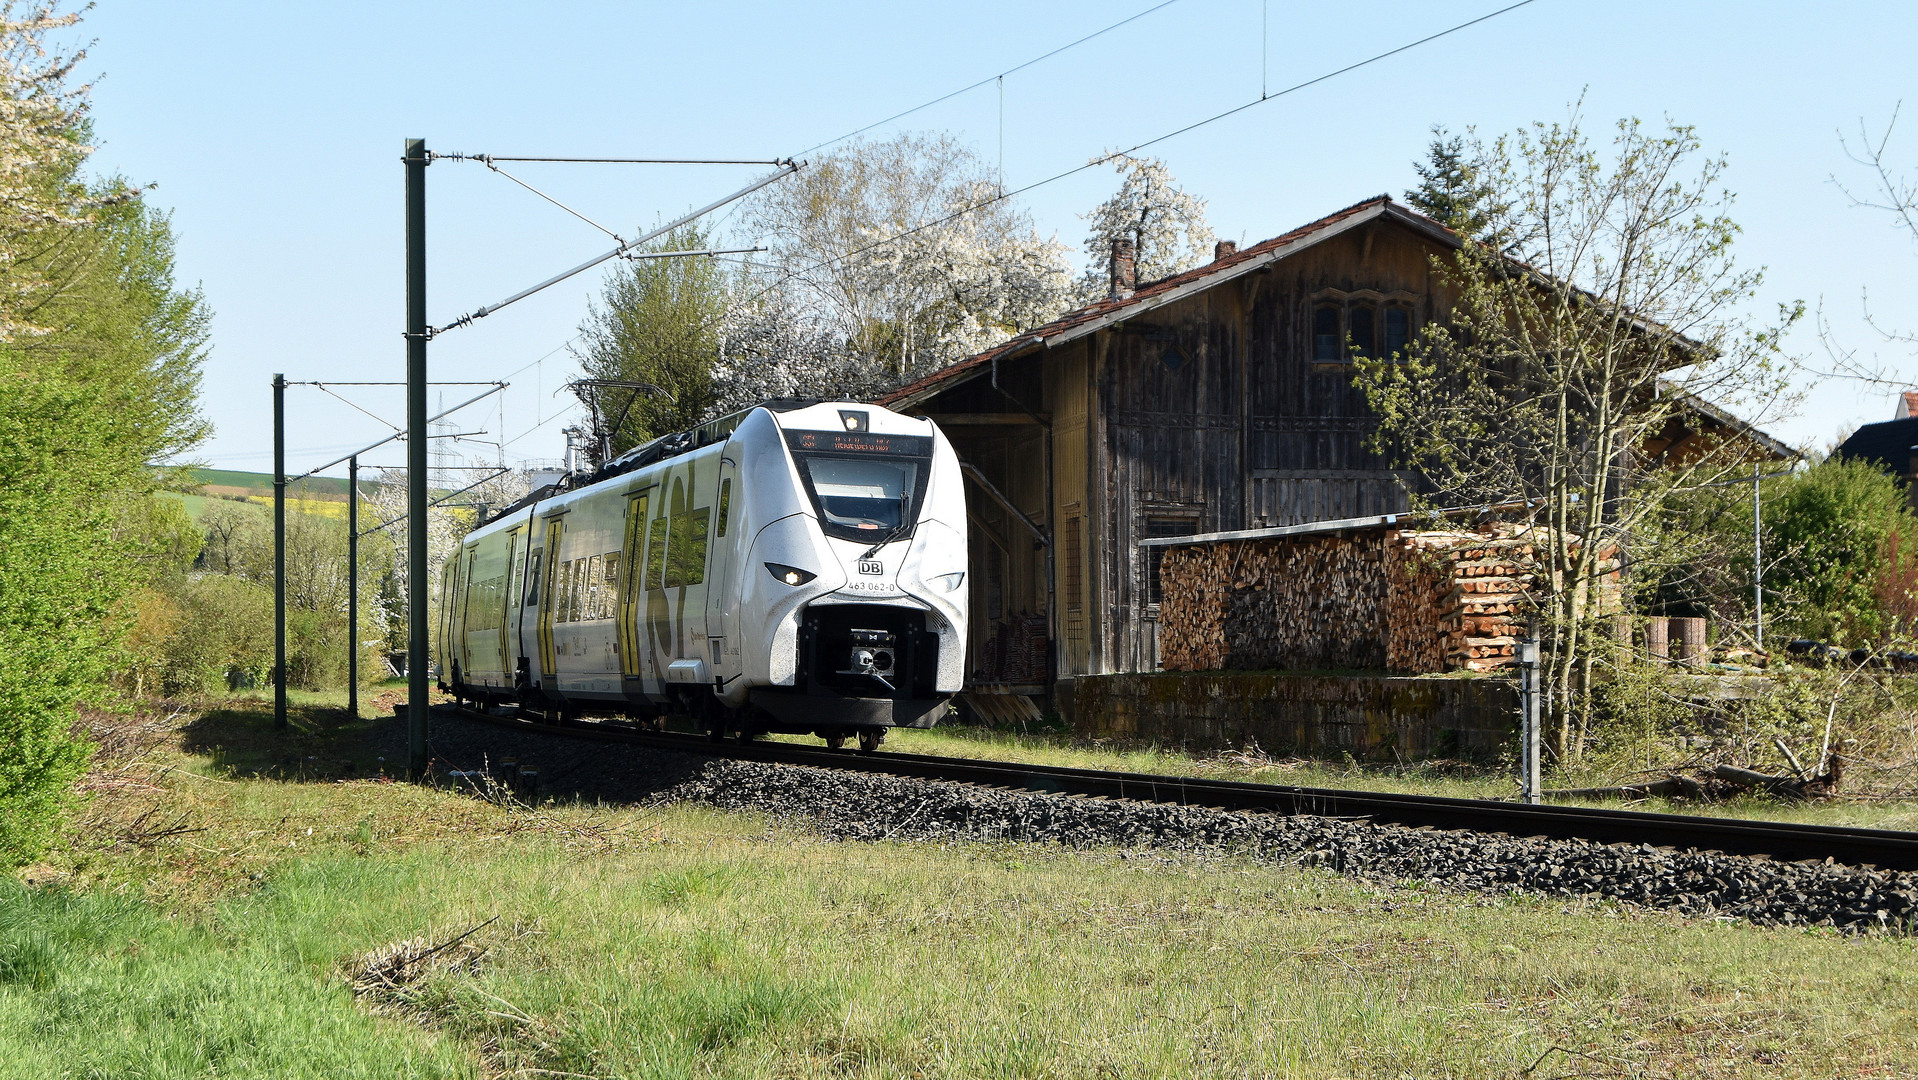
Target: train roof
x=656 y=450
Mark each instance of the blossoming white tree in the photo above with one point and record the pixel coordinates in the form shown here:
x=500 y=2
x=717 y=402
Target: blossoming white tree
x=889 y=260
x=1165 y=223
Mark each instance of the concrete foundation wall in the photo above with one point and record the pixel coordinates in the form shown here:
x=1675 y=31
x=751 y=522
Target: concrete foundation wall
x=1368 y=716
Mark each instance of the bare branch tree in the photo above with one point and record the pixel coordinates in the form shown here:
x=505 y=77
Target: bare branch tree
x=1583 y=376
x=1894 y=194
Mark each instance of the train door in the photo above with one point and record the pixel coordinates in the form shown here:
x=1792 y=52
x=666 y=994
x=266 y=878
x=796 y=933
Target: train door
x=631 y=584
x=677 y=609
x=531 y=587
x=659 y=617
x=548 y=598
x=462 y=599
x=510 y=645
x=508 y=600
x=721 y=619
x=450 y=595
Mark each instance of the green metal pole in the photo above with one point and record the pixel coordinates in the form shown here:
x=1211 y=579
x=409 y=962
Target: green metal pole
x=279 y=551
x=416 y=439
x=353 y=586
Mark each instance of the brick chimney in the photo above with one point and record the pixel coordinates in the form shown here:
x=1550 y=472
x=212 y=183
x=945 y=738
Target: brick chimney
x=1124 y=270
x=1223 y=248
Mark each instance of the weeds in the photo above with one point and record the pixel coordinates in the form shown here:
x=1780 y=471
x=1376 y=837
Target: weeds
x=289 y=939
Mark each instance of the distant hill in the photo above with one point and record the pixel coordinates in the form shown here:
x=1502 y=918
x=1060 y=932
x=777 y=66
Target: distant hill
x=249 y=484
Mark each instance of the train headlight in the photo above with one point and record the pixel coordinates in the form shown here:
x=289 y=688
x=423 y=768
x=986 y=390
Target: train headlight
x=949 y=582
x=789 y=575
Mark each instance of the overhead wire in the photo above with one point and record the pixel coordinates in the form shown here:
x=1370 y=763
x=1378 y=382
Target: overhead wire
x=990 y=78
x=787 y=168
x=488 y=160
x=351 y=405
x=1114 y=155
x=1003 y=193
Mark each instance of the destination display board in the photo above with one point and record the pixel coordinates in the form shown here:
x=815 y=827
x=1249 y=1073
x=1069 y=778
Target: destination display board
x=860 y=443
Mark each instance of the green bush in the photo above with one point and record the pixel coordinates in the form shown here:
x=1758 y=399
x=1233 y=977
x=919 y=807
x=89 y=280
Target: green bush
x=225 y=628
x=1843 y=546
x=99 y=374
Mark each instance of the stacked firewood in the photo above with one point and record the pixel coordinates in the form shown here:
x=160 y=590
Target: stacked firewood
x=1027 y=650
x=1019 y=654
x=1413 y=601
x=1457 y=599
x=1296 y=604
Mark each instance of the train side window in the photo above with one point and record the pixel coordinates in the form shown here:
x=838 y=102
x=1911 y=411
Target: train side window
x=576 y=604
x=687 y=565
x=656 y=550
x=610 y=588
x=532 y=579
x=592 y=590
x=725 y=504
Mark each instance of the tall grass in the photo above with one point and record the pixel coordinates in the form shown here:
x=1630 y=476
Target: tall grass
x=638 y=942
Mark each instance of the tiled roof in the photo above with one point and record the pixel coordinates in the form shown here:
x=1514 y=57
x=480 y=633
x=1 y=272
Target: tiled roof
x=1083 y=320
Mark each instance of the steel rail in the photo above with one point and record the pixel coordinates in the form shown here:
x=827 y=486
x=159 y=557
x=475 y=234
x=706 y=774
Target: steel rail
x=1881 y=848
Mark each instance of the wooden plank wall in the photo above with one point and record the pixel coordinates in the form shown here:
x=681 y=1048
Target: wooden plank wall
x=1171 y=387
x=1068 y=393
x=1008 y=567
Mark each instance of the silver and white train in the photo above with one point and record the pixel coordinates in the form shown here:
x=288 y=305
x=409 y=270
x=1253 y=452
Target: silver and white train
x=796 y=567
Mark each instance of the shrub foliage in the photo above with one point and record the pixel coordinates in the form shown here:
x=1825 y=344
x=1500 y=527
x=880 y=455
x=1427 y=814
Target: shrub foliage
x=100 y=356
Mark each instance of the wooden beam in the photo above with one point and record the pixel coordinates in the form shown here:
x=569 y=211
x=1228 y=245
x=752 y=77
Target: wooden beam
x=980 y=419
x=991 y=533
x=972 y=473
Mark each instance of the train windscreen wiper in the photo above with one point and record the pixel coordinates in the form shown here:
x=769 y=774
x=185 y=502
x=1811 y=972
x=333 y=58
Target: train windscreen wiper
x=904 y=527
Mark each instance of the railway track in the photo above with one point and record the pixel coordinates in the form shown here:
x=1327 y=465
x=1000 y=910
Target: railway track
x=1879 y=848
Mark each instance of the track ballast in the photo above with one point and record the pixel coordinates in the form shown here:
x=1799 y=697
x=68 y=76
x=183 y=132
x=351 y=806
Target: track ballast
x=1879 y=848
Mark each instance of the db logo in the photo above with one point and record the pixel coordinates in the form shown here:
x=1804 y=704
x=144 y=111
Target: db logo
x=871 y=566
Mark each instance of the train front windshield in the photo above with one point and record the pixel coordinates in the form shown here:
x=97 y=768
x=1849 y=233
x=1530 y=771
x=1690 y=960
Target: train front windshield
x=866 y=495
x=863 y=486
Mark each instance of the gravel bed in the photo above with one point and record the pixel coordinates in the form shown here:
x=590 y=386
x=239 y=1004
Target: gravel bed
x=865 y=806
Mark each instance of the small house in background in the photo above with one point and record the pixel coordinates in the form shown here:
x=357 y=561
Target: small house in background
x=1214 y=401
x=1892 y=445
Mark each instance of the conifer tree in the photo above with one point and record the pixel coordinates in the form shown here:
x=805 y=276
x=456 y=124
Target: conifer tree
x=1451 y=190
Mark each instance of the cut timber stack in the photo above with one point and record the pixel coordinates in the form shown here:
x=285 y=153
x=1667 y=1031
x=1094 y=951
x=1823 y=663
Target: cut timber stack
x=1457 y=599
x=1370 y=598
x=1292 y=604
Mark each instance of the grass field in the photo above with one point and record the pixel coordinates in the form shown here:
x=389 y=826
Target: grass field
x=210 y=919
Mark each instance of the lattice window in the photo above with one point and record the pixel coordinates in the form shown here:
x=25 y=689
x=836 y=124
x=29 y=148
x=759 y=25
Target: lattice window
x=1157 y=526
x=1073 y=574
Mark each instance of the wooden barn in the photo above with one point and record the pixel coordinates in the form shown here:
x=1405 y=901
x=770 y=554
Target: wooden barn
x=1215 y=400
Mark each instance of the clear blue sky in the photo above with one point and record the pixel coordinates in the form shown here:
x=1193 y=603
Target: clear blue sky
x=273 y=132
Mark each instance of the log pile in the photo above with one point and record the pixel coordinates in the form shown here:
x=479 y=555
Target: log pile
x=1412 y=601
x=1457 y=600
x=1304 y=603
x=1019 y=654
